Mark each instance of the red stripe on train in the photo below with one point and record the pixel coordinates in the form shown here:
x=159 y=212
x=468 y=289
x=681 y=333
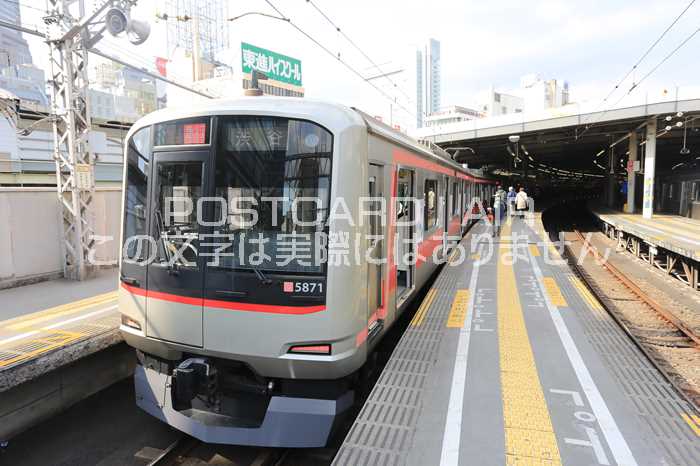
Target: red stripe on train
x=233 y=306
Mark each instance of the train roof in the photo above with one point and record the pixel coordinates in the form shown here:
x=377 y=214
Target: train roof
x=328 y=114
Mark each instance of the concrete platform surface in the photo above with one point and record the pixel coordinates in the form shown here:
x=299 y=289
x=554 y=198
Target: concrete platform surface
x=672 y=232
x=46 y=317
x=511 y=361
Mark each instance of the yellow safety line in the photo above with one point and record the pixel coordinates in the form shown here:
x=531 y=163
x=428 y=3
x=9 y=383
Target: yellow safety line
x=585 y=293
x=529 y=434
x=693 y=421
x=30 y=320
x=423 y=309
x=64 y=337
x=554 y=292
x=534 y=250
x=458 y=311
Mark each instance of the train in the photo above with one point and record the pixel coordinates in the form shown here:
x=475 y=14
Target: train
x=236 y=346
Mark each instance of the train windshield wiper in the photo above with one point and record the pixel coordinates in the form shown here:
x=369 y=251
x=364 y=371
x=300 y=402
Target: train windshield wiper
x=261 y=276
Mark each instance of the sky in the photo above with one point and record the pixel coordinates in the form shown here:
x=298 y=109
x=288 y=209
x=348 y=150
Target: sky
x=590 y=44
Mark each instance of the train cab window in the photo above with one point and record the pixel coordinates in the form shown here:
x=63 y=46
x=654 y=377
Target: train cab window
x=178 y=189
x=279 y=168
x=430 y=199
x=138 y=156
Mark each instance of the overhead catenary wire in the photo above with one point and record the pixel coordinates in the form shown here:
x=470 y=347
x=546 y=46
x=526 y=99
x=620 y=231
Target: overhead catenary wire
x=635 y=66
x=357 y=47
x=649 y=73
x=343 y=62
x=648 y=51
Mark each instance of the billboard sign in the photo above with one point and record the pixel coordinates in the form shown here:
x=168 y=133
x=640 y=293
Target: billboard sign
x=276 y=66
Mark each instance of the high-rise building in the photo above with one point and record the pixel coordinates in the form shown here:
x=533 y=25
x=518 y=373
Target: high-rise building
x=419 y=89
x=427 y=80
x=14 y=50
x=432 y=75
x=17 y=73
x=130 y=93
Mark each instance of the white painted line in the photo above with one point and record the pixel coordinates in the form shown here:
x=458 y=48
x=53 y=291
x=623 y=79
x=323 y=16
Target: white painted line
x=56 y=325
x=18 y=337
x=613 y=436
x=453 y=418
x=81 y=317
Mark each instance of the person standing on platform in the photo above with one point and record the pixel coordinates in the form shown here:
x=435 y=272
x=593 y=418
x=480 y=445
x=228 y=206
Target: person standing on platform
x=500 y=205
x=521 y=202
x=511 y=201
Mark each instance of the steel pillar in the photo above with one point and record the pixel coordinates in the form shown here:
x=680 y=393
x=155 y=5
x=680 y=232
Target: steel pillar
x=631 y=174
x=612 y=186
x=71 y=127
x=649 y=169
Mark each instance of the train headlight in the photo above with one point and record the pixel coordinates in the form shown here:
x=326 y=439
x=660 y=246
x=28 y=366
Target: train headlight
x=129 y=322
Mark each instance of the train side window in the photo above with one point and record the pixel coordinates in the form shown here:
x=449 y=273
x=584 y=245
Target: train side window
x=430 y=199
x=138 y=156
x=455 y=199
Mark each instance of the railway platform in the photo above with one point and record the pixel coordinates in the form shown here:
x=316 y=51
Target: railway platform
x=510 y=360
x=48 y=317
x=59 y=343
x=669 y=242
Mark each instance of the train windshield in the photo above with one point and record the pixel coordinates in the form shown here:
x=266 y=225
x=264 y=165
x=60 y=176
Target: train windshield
x=274 y=175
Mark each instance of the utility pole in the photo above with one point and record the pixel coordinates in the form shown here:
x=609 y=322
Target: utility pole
x=70 y=36
x=196 y=50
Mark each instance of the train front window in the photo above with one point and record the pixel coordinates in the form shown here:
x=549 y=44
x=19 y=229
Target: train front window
x=274 y=174
x=178 y=189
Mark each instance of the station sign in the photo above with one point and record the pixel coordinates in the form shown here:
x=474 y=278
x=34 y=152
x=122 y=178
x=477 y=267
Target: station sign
x=275 y=65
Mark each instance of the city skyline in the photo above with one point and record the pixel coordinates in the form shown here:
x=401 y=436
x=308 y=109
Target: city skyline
x=473 y=55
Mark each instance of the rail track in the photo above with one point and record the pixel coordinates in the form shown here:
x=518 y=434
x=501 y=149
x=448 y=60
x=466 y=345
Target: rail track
x=178 y=454
x=662 y=312
x=176 y=451
x=658 y=333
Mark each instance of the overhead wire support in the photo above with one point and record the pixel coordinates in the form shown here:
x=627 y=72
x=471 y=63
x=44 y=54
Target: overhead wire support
x=343 y=62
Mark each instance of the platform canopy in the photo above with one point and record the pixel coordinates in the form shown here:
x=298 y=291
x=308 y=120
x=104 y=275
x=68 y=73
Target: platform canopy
x=571 y=140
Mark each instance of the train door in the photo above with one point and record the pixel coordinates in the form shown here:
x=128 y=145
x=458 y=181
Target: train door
x=375 y=240
x=405 y=232
x=175 y=276
x=446 y=210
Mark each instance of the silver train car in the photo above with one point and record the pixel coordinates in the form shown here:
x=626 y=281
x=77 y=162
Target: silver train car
x=269 y=352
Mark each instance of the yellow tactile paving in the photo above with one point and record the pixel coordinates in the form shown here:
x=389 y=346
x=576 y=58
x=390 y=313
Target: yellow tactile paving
x=31 y=320
x=36 y=346
x=423 y=309
x=534 y=250
x=458 y=311
x=585 y=293
x=529 y=434
x=693 y=421
x=554 y=292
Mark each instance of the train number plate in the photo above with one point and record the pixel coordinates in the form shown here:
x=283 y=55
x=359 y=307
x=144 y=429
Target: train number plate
x=303 y=287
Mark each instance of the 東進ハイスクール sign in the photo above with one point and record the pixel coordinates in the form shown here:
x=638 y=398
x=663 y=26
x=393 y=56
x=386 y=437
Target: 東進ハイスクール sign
x=276 y=66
